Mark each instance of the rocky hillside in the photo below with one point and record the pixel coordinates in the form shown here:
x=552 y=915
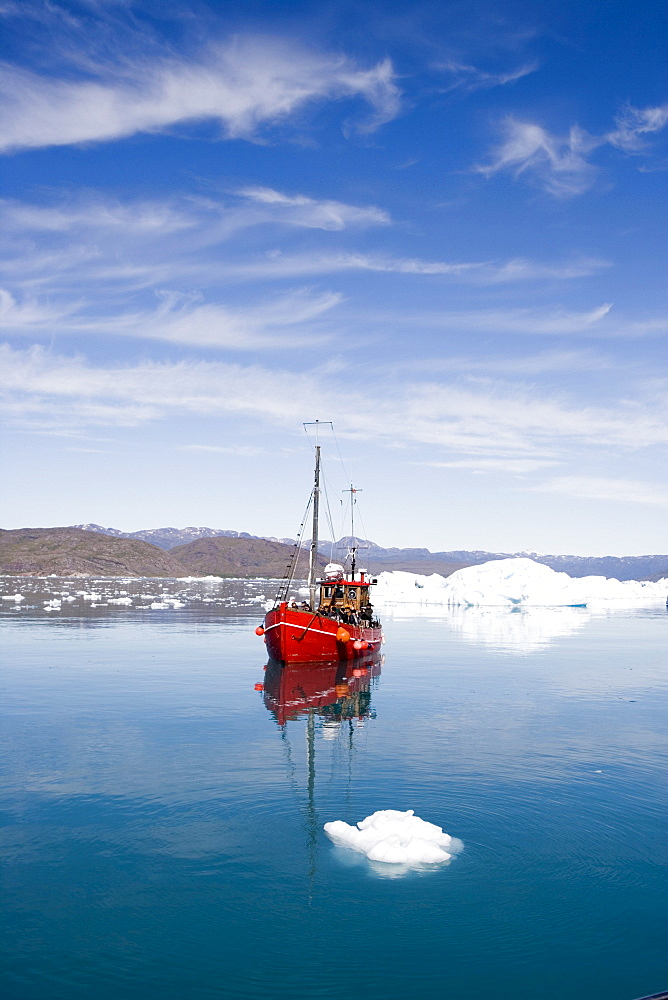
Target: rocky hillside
x=417 y=560
x=92 y=550
x=73 y=552
x=237 y=557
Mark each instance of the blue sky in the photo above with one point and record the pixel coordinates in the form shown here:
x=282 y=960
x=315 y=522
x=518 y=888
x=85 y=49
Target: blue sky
x=439 y=225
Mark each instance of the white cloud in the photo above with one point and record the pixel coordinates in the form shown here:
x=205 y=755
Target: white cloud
x=480 y=421
x=30 y=315
x=551 y=321
x=600 y=488
x=521 y=269
x=300 y=210
x=560 y=164
x=152 y=218
x=516 y=364
x=516 y=466
x=634 y=125
x=245 y=84
x=557 y=163
x=470 y=78
x=184 y=319
x=233 y=449
x=279 y=265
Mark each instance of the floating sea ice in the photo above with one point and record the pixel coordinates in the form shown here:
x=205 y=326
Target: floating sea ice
x=516 y=582
x=394 y=837
x=14 y=597
x=120 y=600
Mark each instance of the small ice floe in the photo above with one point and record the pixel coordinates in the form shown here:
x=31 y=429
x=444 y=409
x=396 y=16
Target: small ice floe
x=14 y=597
x=395 y=838
x=53 y=605
x=120 y=600
x=160 y=605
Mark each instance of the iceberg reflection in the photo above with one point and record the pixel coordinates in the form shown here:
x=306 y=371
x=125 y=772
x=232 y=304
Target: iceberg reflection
x=527 y=631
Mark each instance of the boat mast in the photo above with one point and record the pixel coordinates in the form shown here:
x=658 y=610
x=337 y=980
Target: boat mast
x=313 y=555
x=353 y=546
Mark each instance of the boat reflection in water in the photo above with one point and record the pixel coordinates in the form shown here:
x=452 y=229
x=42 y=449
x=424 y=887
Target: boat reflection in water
x=335 y=690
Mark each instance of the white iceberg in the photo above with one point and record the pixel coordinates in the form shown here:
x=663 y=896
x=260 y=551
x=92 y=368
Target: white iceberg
x=514 y=583
x=394 y=837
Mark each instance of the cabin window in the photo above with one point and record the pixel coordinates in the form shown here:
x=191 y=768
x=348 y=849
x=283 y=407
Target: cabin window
x=327 y=591
x=339 y=592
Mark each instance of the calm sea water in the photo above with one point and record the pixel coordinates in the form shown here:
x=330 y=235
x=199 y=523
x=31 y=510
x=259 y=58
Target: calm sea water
x=163 y=832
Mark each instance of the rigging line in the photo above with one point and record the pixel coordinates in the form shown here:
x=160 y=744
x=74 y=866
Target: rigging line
x=324 y=480
x=330 y=523
x=365 y=536
x=343 y=464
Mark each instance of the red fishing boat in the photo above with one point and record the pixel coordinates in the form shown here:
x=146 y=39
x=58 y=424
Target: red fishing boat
x=338 y=621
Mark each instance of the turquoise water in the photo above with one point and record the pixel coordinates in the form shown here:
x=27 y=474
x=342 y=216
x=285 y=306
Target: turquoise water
x=163 y=834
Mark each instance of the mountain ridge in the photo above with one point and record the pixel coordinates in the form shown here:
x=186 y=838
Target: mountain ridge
x=417 y=560
x=72 y=552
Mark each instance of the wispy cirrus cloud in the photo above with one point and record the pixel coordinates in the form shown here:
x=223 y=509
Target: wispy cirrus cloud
x=515 y=466
x=635 y=125
x=31 y=315
x=78 y=256
x=312 y=213
x=489 y=420
x=232 y=449
x=519 y=365
x=184 y=319
x=277 y=264
x=211 y=219
x=552 y=321
x=470 y=78
x=244 y=85
x=559 y=164
x=600 y=488
x=85 y=213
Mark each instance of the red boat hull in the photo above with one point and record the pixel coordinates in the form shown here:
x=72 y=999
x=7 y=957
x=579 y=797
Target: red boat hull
x=295 y=636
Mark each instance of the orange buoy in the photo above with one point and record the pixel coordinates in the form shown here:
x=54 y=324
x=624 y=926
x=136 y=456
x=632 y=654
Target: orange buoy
x=259 y=630
x=259 y=687
x=342 y=635
x=358 y=673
